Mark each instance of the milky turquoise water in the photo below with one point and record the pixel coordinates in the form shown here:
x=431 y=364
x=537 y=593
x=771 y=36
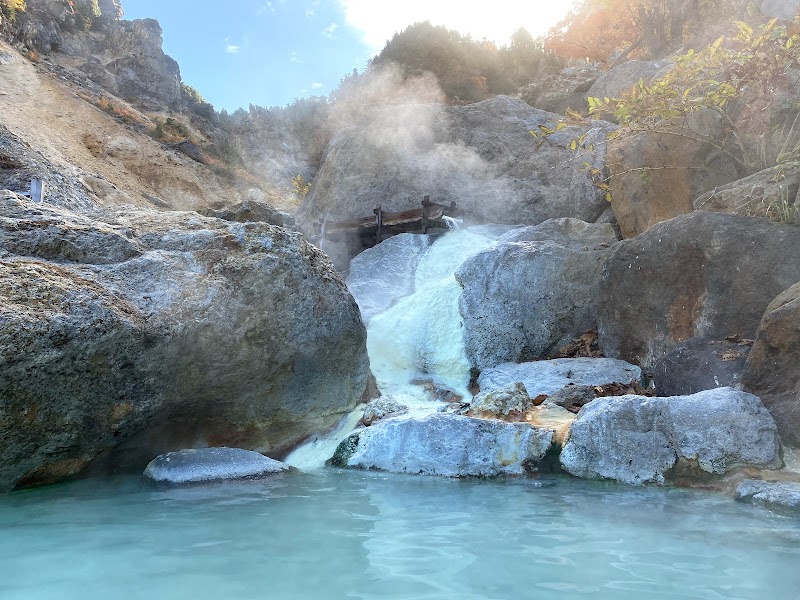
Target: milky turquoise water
x=369 y=536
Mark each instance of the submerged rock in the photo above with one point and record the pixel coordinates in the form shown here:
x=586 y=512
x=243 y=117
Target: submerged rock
x=207 y=465
x=135 y=332
x=638 y=440
x=550 y=376
x=778 y=496
x=448 y=445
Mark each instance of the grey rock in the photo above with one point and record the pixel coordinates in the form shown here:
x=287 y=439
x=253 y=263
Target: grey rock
x=525 y=300
x=481 y=156
x=383 y=274
x=132 y=54
x=782 y=9
x=19 y=163
x=700 y=275
x=656 y=175
x=208 y=465
x=756 y=195
x=549 y=376
x=771 y=370
x=564 y=90
x=699 y=364
x=777 y=496
x=252 y=211
x=573 y=396
x=447 y=445
x=639 y=440
x=570 y=233
x=502 y=401
x=206 y=333
x=381 y=408
x=618 y=80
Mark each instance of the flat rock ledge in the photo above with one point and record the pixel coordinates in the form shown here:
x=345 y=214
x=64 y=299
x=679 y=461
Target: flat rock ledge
x=208 y=465
x=639 y=440
x=549 y=376
x=446 y=445
x=778 y=496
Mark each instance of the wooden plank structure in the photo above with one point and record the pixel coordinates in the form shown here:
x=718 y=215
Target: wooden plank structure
x=374 y=229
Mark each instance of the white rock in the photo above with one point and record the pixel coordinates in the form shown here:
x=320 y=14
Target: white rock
x=210 y=464
x=638 y=440
x=447 y=445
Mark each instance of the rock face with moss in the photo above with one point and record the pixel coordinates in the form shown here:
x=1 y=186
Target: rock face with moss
x=133 y=333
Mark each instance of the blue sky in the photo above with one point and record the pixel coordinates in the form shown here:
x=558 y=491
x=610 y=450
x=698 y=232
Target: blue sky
x=268 y=52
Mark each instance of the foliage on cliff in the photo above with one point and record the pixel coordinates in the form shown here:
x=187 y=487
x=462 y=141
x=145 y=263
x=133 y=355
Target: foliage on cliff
x=604 y=29
x=467 y=70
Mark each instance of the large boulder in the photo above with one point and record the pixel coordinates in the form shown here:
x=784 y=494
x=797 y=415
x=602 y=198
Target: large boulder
x=523 y=300
x=705 y=275
x=758 y=195
x=640 y=440
x=447 y=445
x=137 y=332
x=783 y=496
x=771 y=370
x=207 y=465
x=383 y=274
x=619 y=79
x=656 y=175
x=699 y=364
x=564 y=90
x=549 y=376
x=482 y=156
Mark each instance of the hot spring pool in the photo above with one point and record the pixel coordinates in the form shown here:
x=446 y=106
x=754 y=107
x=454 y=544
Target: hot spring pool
x=334 y=534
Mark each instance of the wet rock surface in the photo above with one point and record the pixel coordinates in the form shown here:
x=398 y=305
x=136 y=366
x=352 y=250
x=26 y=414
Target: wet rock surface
x=381 y=275
x=137 y=332
x=638 y=440
x=446 y=445
x=208 y=465
x=381 y=408
x=534 y=292
x=777 y=496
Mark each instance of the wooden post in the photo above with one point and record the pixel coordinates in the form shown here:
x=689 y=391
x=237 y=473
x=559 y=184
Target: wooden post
x=378 y=224
x=37 y=190
x=426 y=207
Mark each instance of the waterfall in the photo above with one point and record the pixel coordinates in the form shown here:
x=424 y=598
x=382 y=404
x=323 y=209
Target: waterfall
x=419 y=337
